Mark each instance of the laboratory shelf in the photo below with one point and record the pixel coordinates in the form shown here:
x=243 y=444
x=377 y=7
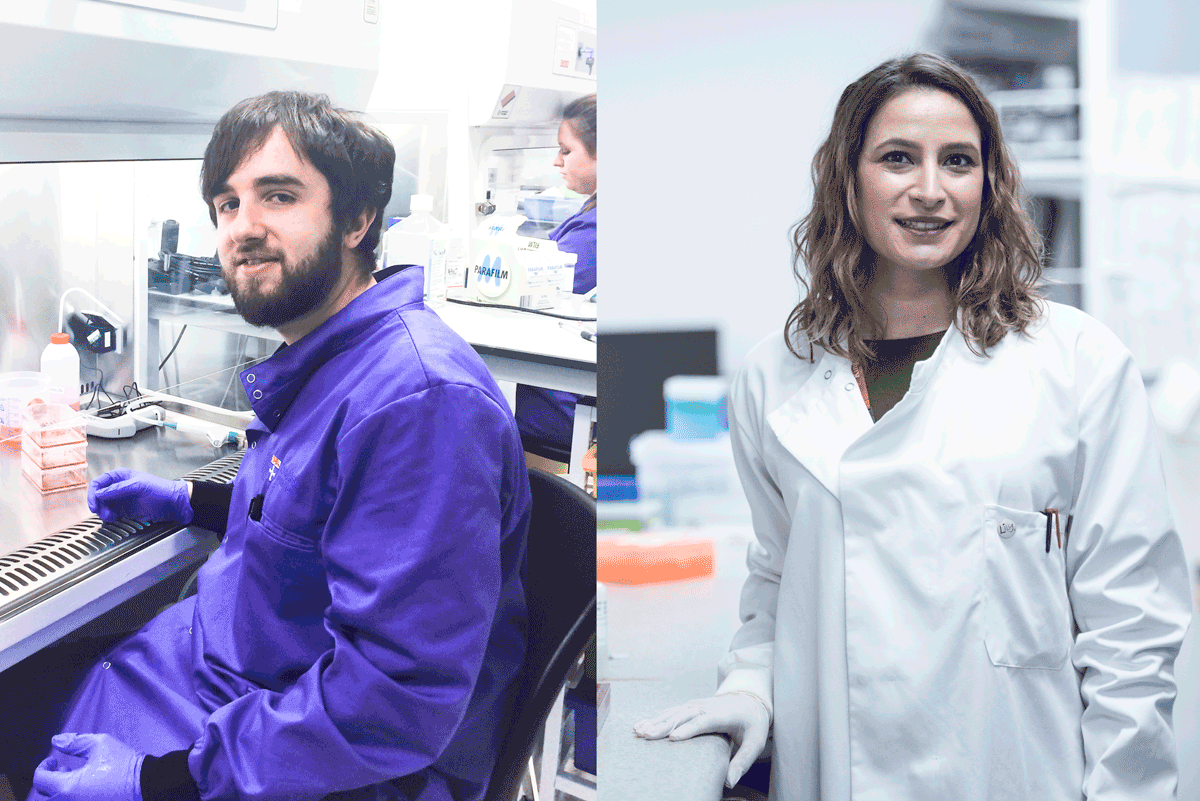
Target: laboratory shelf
x=1046 y=150
x=1185 y=180
x=1063 y=276
x=218 y=321
x=526 y=348
x=220 y=302
x=1060 y=9
x=215 y=312
x=1034 y=98
x=1061 y=178
x=1051 y=169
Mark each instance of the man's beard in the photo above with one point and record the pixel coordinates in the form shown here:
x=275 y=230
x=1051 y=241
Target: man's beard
x=301 y=288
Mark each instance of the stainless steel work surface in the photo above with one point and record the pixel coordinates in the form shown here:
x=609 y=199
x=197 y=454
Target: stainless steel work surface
x=27 y=516
x=60 y=566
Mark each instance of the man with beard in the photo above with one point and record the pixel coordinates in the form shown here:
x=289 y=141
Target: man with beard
x=357 y=630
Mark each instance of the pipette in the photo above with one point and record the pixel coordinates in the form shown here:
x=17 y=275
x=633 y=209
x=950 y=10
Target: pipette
x=216 y=436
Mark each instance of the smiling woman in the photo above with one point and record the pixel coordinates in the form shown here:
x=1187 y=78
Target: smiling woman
x=914 y=138
x=920 y=186
x=965 y=582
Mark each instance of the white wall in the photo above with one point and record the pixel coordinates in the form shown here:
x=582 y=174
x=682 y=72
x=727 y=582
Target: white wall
x=711 y=113
x=423 y=66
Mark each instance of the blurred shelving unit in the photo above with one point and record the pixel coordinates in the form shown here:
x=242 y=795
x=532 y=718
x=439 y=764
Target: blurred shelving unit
x=1100 y=101
x=1026 y=54
x=1119 y=202
x=1143 y=233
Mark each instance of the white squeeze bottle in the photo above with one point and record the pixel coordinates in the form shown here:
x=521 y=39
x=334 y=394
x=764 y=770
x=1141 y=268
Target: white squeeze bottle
x=410 y=241
x=60 y=361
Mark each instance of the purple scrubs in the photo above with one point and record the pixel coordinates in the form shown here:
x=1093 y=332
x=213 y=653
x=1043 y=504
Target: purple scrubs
x=364 y=615
x=546 y=417
x=577 y=234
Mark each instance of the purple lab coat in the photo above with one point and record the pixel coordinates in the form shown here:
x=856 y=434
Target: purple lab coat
x=367 y=626
x=577 y=234
x=546 y=416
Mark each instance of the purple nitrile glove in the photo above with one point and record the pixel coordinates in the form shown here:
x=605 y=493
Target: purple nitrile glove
x=90 y=767
x=142 y=496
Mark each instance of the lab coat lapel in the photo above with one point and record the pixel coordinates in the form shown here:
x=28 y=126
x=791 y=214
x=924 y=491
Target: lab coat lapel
x=823 y=418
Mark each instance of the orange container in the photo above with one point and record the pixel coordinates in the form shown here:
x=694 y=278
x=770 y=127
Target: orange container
x=624 y=562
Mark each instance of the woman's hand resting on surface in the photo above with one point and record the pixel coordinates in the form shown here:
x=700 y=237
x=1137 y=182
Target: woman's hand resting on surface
x=742 y=716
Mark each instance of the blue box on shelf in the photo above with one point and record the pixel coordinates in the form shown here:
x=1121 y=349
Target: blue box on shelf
x=695 y=406
x=616 y=488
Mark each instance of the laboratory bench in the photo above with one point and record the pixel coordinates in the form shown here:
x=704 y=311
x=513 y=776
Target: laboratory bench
x=664 y=643
x=535 y=350
x=59 y=569
x=527 y=348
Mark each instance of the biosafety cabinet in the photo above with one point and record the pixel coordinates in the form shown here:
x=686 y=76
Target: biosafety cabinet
x=108 y=105
x=107 y=109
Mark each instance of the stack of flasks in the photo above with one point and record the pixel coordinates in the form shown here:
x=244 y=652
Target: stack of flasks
x=54 y=447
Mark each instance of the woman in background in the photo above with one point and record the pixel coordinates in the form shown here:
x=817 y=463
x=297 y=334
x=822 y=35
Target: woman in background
x=545 y=416
x=966 y=582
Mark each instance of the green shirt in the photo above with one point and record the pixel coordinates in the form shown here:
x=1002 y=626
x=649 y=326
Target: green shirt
x=888 y=375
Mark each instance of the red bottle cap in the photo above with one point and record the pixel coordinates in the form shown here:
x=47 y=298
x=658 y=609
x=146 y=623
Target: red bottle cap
x=60 y=339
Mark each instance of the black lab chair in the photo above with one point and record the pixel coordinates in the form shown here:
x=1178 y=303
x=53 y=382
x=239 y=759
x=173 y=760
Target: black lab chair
x=560 y=591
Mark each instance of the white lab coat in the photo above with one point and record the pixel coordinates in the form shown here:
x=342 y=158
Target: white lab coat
x=902 y=617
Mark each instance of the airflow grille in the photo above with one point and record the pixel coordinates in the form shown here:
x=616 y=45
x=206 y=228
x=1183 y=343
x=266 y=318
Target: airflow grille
x=68 y=556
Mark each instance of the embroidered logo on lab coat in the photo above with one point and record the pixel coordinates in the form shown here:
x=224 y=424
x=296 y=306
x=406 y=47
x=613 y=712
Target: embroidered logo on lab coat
x=275 y=465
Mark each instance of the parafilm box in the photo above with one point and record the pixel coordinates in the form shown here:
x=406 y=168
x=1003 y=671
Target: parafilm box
x=513 y=270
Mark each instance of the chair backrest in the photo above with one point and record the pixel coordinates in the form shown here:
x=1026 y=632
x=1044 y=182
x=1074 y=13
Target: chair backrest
x=560 y=591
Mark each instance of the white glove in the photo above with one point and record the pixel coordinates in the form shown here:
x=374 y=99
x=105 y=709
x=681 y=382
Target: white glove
x=743 y=716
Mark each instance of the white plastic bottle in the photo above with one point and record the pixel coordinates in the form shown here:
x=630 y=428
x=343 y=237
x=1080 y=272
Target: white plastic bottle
x=457 y=265
x=435 y=273
x=60 y=361
x=410 y=242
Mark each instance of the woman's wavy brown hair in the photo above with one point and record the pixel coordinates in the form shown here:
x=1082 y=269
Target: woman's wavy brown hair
x=992 y=280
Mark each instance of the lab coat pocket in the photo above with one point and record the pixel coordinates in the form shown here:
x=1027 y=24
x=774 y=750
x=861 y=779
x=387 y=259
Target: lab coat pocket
x=288 y=556
x=1027 y=619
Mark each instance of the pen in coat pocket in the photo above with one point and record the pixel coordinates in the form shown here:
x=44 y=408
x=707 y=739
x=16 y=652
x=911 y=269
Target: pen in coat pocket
x=1053 y=513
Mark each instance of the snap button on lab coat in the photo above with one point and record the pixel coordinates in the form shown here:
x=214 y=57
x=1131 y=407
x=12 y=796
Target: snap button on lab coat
x=850 y=386
x=1007 y=528
x=828 y=373
x=257 y=394
x=250 y=378
x=253 y=444
x=107 y=665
